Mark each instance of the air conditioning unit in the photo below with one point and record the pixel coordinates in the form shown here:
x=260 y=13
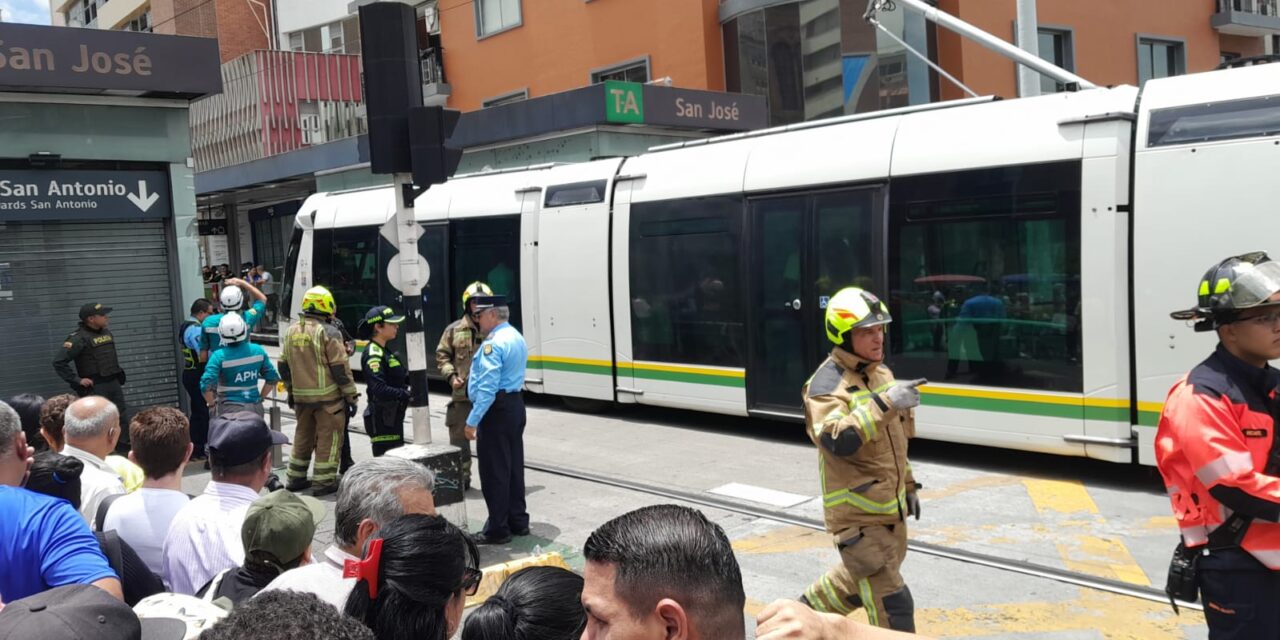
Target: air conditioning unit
x=312 y=133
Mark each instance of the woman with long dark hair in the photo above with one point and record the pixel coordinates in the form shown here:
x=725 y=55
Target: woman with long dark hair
x=537 y=603
x=414 y=579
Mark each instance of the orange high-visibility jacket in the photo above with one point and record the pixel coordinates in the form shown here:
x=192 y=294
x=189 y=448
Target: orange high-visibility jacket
x=1213 y=447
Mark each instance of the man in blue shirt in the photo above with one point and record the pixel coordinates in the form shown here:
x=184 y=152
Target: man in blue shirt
x=44 y=543
x=232 y=300
x=497 y=420
x=193 y=359
x=235 y=370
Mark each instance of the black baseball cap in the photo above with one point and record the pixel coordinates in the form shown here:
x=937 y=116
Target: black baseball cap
x=488 y=302
x=94 y=309
x=240 y=437
x=81 y=611
x=383 y=313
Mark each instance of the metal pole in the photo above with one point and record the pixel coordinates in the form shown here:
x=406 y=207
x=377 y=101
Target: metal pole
x=1029 y=41
x=407 y=233
x=944 y=19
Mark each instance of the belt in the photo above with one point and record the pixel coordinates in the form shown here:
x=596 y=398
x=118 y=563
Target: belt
x=509 y=393
x=97 y=379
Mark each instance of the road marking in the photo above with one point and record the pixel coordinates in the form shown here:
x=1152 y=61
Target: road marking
x=1094 y=555
x=760 y=495
x=787 y=539
x=1096 y=614
x=1062 y=496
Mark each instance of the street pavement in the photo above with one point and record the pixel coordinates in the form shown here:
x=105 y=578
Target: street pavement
x=1096 y=518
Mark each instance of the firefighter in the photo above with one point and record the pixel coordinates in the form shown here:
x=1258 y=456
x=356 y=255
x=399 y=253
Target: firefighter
x=457 y=347
x=1216 y=449
x=322 y=393
x=860 y=418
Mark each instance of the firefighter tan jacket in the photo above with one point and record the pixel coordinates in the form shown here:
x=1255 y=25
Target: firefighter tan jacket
x=862 y=442
x=314 y=363
x=458 y=345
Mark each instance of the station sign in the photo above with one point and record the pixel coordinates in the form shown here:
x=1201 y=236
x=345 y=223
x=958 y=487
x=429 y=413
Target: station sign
x=41 y=195
x=36 y=58
x=635 y=103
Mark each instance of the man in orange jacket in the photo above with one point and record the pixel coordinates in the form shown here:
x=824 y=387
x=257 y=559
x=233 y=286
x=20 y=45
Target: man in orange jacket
x=1217 y=450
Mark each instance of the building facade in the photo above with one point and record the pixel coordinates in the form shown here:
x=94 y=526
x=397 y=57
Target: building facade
x=239 y=25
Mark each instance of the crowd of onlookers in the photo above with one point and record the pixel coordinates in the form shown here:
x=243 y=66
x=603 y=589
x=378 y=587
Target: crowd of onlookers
x=94 y=545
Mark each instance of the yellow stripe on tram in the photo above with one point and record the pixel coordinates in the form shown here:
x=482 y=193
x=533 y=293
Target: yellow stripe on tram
x=1106 y=403
x=645 y=366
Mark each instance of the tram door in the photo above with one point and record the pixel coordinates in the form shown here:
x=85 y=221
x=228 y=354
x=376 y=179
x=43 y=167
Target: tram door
x=804 y=248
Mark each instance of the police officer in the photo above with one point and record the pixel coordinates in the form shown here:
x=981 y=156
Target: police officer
x=860 y=419
x=1216 y=448
x=97 y=368
x=314 y=367
x=497 y=420
x=458 y=345
x=190 y=336
x=386 y=380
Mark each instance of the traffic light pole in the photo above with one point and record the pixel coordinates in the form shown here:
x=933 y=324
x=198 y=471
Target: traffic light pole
x=407 y=234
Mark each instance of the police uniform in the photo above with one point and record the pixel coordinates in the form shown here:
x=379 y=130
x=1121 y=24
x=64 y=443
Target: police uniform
x=495 y=386
x=192 y=370
x=454 y=354
x=314 y=367
x=867 y=484
x=1217 y=451
x=94 y=354
x=387 y=383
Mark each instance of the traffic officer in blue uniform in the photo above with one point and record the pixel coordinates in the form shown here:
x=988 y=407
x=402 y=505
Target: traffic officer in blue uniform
x=191 y=337
x=386 y=378
x=497 y=420
x=97 y=369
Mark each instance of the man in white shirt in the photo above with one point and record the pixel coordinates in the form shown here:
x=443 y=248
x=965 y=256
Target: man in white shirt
x=161 y=440
x=204 y=537
x=370 y=495
x=91 y=426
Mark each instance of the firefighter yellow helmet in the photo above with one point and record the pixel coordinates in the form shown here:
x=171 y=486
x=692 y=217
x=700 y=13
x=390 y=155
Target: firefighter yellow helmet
x=853 y=308
x=319 y=300
x=476 y=288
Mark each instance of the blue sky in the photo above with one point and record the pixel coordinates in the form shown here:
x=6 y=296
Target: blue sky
x=28 y=11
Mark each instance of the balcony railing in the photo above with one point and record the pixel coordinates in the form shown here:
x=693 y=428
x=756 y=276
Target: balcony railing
x=277 y=101
x=1248 y=17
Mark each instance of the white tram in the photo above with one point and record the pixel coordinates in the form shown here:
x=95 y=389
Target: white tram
x=1031 y=251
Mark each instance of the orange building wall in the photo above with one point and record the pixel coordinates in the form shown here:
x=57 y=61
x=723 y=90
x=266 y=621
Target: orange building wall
x=1105 y=39
x=561 y=42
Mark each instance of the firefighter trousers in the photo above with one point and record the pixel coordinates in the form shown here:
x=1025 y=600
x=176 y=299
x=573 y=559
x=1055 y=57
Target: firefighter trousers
x=868 y=576
x=455 y=418
x=319 y=430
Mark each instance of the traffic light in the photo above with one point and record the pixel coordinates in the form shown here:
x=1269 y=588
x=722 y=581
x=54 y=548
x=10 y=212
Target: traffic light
x=429 y=130
x=392 y=81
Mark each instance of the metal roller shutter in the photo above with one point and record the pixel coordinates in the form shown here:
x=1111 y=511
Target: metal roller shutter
x=56 y=267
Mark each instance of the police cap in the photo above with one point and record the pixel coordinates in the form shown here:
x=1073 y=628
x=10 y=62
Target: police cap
x=488 y=302
x=383 y=313
x=94 y=309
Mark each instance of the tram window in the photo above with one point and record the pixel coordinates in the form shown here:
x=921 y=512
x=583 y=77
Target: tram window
x=285 y=305
x=487 y=249
x=564 y=195
x=1249 y=118
x=844 y=248
x=346 y=261
x=985 y=276
x=436 y=314
x=686 y=302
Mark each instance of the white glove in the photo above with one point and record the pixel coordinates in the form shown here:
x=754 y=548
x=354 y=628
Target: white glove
x=905 y=395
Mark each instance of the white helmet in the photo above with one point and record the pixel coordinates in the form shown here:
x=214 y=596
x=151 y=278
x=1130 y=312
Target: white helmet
x=232 y=329
x=232 y=298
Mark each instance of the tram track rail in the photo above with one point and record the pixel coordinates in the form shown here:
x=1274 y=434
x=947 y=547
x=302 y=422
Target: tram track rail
x=1021 y=567
x=1097 y=583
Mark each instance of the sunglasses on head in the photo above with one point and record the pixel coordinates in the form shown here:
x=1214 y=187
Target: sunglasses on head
x=470 y=581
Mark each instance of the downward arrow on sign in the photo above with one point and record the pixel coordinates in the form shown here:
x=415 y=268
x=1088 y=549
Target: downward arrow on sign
x=142 y=200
